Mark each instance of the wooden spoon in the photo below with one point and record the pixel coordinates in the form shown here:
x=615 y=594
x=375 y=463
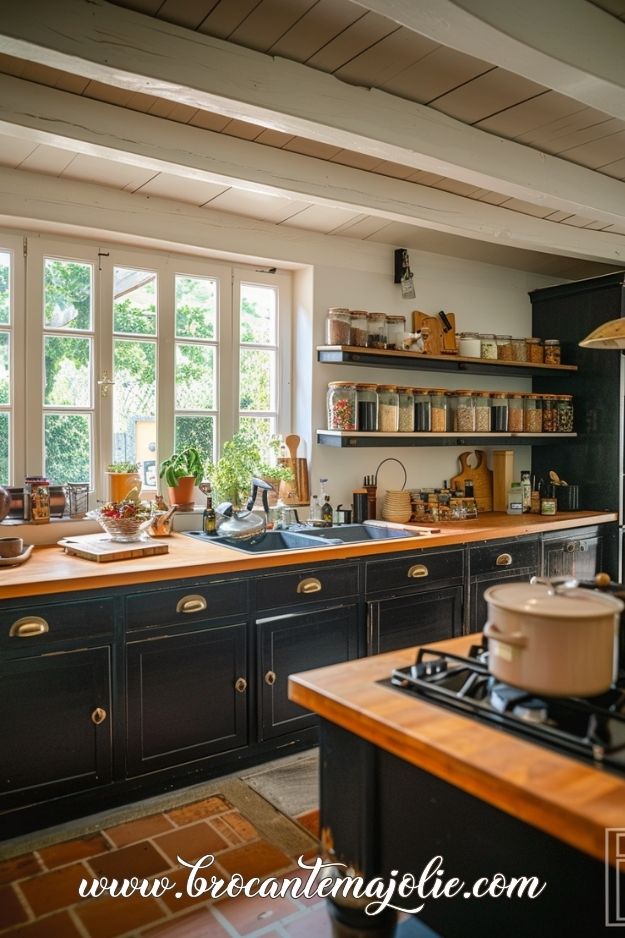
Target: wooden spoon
x=292 y=442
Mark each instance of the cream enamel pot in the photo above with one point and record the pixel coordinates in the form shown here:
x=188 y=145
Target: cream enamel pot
x=549 y=637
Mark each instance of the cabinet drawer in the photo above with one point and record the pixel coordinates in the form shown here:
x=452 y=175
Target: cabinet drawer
x=306 y=586
x=186 y=604
x=28 y=627
x=414 y=570
x=504 y=555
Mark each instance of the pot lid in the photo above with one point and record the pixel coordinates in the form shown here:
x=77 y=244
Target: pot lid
x=541 y=599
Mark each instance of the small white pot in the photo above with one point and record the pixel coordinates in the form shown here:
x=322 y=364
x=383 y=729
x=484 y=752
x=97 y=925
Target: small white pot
x=553 y=641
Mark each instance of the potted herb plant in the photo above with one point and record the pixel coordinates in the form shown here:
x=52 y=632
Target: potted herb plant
x=232 y=474
x=275 y=476
x=181 y=472
x=123 y=478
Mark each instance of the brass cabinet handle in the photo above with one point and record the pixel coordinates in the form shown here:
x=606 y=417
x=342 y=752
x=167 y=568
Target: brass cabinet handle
x=571 y=546
x=417 y=570
x=504 y=560
x=240 y=685
x=29 y=626
x=98 y=716
x=270 y=678
x=310 y=585
x=191 y=604
x=582 y=546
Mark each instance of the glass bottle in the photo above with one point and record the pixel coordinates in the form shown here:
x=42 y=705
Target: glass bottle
x=438 y=397
x=535 y=351
x=367 y=407
x=359 y=328
x=482 y=412
x=209 y=520
x=377 y=330
x=519 y=350
x=550 y=413
x=499 y=413
x=488 y=346
x=565 y=413
x=464 y=411
x=388 y=408
x=504 y=347
x=422 y=410
x=406 y=410
x=515 y=413
x=396 y=326
x=338 y=326
x=533 y=414
x=552 y=352
x=341 y=405
x=314 y=514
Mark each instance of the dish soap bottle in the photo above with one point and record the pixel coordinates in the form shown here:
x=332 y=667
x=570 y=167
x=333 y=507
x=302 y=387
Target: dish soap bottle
x=209 y=519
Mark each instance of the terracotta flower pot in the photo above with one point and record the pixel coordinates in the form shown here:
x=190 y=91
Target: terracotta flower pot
x=121 y=485
x=182 y=494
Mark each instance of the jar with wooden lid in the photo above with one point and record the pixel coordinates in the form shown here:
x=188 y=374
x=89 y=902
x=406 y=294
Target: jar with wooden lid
x=469 y=344
x=359 y=328
x=388 y=408
x=488 y=346
x=406 y=409
x=550 y=413
x=535 y=350
x=376 y=330
x=565 y=413
x=482 y=411
x=422 y=410
x=499 y=412
x=533 y=413
x=338 y=326
x=552 y=352
x=515 y=413
x=367 y=407
x=395 y=328
x=341 y=405
x=504 y=347
x=464 y=411
x=439 y=397
x=519 y=350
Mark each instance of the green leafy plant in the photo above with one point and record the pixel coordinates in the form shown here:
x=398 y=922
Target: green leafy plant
x=232 y=474
x=275 y=473
x=188 y=462
x=128 y=467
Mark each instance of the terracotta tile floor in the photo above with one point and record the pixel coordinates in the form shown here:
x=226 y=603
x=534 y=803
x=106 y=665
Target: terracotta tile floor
x=39 y=891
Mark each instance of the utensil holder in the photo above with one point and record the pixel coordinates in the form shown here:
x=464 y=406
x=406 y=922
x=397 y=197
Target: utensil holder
x=567 y=497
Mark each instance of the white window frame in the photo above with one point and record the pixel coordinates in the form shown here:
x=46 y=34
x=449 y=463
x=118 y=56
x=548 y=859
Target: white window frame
x=14 y=245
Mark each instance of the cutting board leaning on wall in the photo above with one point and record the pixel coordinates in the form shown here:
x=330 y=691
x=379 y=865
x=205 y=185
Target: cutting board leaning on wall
x=480 y=475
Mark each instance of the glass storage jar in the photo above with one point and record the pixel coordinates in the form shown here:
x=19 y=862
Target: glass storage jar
x=469 y=344
x=499 y=412
x=488 y=346
x=359 y=325
x=515 y=413
x=535 y=351
x=367 y=407
x=422 y=410
x=341 y=405
x=395 y=328
x=388 y=408
x=519 y=350
x=482 y=412
x=338 y=326
x=438 y=397
x=377 y=336
x=550 y=413
x=533 y=413
x=464 y=411
x=406 y=410
x=565 y=413
x=504 y=347
x=552 y=352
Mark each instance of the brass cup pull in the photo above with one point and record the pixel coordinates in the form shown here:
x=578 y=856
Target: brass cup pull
x=240 y=685
x=571 y=547
x=417 y=570
x=28 y=627
x=190 y=604
x=98 y=716
x=270 y=678
x=504 y=560
x=310 y=585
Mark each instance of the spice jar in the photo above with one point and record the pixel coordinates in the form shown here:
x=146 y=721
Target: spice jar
x=422 y=410
x=406 y=410
x=464 y=411
x=519 y=350
x=535 y=351
x=359 y=324
x=338 y=326
x=504 y=347
x=482 y=412
x=550 y=413
x=376 y=330
x=367 y=407
x=533 y=413
x=395 y=328
x=388 y=408
x=499 y=413
x=515 y=413
x=341 y=405
x=488 y=346
x=565 y=413
x=469 y=344
x=552 y=352
x=438 y=397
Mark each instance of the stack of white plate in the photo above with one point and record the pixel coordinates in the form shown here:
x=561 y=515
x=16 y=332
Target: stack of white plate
x=396 y=506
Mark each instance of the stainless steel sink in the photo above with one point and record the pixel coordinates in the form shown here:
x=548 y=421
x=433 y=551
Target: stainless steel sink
x=310 y=537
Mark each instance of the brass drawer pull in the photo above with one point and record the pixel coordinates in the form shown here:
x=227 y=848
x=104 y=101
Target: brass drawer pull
x=417 y=570
x=270 y=678
x=240 y=685
x=504 y=560
x=310 y=585
x=571 y=547
x=191 y=604
x=98 y=716
x=28 y=627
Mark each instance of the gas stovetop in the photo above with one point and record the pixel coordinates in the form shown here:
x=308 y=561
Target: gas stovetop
x=593 y=728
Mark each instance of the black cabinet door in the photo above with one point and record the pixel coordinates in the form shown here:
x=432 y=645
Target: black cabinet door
x=579 y=557
x=55 y=725
x=299 y=642
x=413 y=620
x=187 y=697
x=476 y=606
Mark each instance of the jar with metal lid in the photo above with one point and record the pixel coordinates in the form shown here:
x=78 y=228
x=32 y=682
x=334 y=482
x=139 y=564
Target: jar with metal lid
x=438 y=398
x=565 y=413
x=552 y=352
x=533 y=413
x=488 y=346
x=395 y=328
x=482 y=411
x=422 y=410
x=406 y=409
x=338 y=326
x=499 y=412
x=504 y=347
x=550 y=413
x=359 y=328
x=388 y=408
x=515 y=413
x=519 y=350
x=341 y=405
x=535 y=350
x=377 y=335
x=464 y=411
x=469 y=344
x=367 y=407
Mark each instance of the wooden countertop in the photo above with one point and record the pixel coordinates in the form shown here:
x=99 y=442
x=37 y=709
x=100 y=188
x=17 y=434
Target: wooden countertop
x=50 y=570
x=568 y=799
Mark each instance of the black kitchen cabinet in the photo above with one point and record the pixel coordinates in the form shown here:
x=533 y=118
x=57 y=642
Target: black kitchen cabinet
x=510 y=562
x=576 y=553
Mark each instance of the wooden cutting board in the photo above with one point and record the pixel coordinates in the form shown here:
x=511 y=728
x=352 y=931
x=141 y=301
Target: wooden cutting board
x=98 y=547
x=481 y=476
x=437 y=342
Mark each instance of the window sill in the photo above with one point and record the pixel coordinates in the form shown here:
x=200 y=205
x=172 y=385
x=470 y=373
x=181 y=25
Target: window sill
x=49 y=533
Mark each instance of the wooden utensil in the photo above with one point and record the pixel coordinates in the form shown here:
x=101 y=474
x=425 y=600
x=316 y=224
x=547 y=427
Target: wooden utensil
x=481 y=476
x=503 y=464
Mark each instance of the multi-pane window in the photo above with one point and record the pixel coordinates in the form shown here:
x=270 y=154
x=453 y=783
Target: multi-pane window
x=258 y=358
x=5 y=363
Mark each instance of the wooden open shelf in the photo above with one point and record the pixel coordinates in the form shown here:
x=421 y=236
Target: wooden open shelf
x=358 y=439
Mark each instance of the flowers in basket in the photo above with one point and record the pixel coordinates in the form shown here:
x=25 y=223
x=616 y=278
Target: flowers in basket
x=124 y=520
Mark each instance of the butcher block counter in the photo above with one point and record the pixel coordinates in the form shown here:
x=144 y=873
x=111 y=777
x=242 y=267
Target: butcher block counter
x=50 y=570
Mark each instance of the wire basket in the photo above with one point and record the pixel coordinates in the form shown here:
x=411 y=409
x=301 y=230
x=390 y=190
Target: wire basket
x=124 y=530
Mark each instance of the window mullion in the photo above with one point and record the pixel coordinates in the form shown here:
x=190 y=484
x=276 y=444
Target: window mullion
x=228 y=360
x=104 y=372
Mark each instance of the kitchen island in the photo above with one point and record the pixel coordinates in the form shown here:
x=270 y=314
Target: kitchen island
x=404 y=780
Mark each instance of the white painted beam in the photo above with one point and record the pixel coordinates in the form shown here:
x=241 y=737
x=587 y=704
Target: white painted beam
x=571 y=46
x=125 y=49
